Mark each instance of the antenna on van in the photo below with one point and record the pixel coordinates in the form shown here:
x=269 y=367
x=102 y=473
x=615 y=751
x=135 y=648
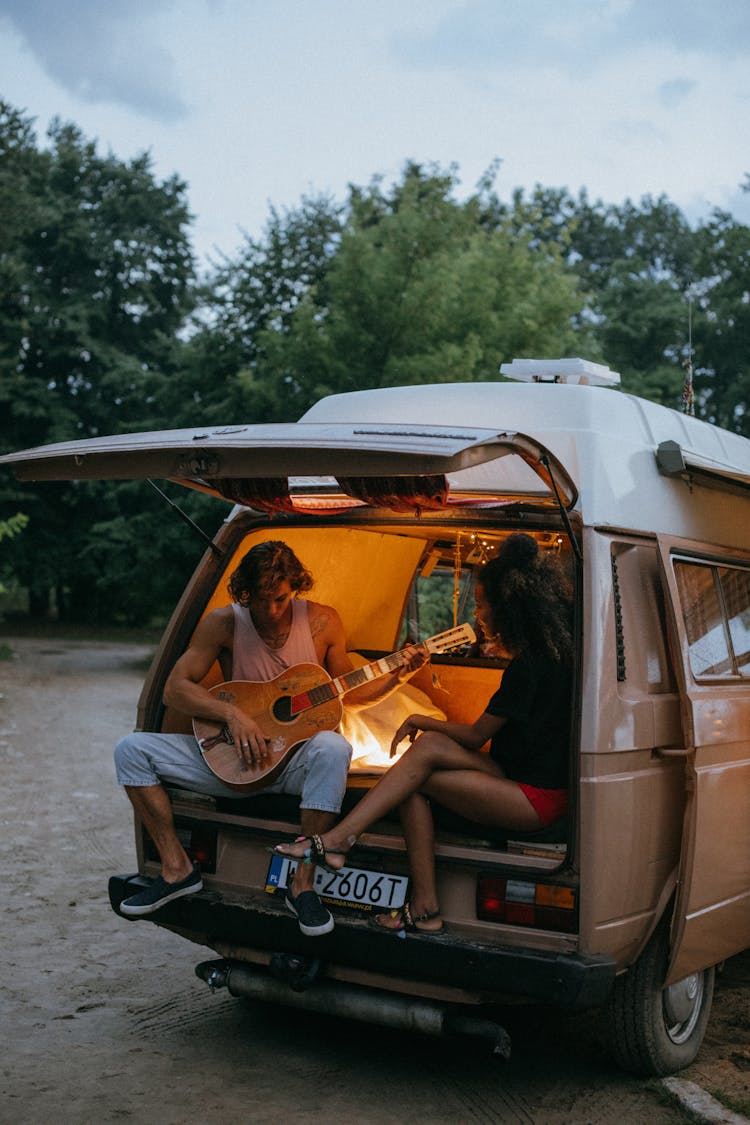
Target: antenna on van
x=688 y=395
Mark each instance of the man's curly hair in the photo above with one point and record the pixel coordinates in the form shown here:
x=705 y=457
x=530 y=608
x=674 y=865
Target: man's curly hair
x=264 y=566
x=530 y=599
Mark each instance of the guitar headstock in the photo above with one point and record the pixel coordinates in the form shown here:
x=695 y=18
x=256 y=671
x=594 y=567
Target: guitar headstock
x=457 y=637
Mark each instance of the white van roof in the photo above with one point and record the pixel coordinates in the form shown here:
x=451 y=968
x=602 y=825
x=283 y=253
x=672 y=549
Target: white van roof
x=635 y=464
x=616 y=460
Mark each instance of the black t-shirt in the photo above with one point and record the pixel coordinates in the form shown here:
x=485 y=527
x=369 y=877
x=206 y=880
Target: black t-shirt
x=534 y=696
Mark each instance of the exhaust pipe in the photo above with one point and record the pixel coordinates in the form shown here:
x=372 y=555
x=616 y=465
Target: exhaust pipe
x=351 y=1001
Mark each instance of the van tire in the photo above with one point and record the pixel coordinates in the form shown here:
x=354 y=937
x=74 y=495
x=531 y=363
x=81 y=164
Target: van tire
x=652 y=1030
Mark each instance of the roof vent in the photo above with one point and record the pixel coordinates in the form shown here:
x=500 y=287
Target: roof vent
x=580 y=371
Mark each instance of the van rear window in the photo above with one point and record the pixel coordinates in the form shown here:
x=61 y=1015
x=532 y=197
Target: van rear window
x=715 y=603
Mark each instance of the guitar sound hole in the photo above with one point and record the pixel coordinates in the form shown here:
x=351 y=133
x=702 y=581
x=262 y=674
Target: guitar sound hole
x=282 y=709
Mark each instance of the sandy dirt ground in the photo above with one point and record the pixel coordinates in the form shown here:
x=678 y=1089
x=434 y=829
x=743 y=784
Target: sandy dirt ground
x=105 y=1020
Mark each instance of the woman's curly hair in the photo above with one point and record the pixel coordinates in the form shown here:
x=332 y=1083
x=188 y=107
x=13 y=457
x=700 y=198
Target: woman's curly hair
x=264 y=566
x=529 y=598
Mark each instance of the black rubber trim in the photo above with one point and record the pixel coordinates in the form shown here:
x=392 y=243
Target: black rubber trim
x=568 y=980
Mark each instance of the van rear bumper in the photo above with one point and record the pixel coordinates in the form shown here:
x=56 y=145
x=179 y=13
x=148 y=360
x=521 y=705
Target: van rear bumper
x=568 y=980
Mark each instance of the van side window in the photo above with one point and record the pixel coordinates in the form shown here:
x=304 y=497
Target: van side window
x=640 y=648
x=735 y=587
x=441 y=595
x=434 y=595
x=715 y=603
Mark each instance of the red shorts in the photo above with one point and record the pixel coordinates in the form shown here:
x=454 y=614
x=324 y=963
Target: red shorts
x=548 y=804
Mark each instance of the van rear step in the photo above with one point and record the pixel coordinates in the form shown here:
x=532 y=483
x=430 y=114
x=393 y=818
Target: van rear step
x=262 y=922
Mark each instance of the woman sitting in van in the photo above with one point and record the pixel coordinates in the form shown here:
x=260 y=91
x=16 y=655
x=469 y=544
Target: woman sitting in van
x=522 y=600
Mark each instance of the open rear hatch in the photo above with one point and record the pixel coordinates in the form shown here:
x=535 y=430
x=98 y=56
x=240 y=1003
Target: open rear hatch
x=281 y=466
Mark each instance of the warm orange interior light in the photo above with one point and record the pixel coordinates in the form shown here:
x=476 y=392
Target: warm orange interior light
x=370 y=753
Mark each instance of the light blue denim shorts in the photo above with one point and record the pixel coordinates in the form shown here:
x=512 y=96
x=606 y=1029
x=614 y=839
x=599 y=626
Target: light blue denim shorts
x=316 y=773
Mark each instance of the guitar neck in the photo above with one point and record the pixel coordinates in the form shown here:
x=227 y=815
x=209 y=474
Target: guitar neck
x=323 y=693
x=369 y=672
x=350 y=680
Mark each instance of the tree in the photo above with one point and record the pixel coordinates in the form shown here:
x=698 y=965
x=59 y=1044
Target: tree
x=636 y=265
x=248 y=302
x=419 y=288
x=8 y=528
x=722 y=323
x=95 y=275
x=397 y=285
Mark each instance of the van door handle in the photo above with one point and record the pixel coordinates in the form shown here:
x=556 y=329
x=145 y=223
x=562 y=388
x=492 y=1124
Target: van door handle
x=672 y=751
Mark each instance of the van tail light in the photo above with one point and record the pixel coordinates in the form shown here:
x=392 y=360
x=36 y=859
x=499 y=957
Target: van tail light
x=515 y=902
x=198 y=842
x=201 y=847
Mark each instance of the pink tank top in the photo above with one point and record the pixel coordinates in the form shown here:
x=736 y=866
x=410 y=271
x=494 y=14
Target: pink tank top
x=252 y=659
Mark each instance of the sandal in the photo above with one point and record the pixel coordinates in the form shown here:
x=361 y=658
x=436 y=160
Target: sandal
x=409 y=922
x=316 y=853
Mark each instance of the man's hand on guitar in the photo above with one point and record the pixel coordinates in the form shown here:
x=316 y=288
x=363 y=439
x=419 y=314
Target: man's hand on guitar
x=249 y=741
x=414 y=657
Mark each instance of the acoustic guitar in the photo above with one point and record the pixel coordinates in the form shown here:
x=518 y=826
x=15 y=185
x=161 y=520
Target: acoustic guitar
x=293 y=707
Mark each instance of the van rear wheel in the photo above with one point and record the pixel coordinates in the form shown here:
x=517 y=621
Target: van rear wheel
x=652 y=1029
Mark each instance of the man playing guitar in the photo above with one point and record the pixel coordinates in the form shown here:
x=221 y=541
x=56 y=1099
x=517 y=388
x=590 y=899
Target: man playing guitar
x=265 y=630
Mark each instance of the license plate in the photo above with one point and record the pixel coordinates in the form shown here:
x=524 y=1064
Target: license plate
x=351 y=886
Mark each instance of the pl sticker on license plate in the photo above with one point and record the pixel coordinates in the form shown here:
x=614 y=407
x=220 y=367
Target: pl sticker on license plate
x=367 y=890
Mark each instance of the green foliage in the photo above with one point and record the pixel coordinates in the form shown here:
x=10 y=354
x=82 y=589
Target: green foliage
x=424 y=293
x=249 y=303
x=104 y=330
x=405 y=285
x=433 y=603
x=722 y=322
x=659 y=295
x=14 y=525
x=95 y=284
x=136 y=560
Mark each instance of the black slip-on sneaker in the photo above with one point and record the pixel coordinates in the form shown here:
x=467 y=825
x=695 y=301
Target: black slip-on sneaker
x=314 y=919
x=159 y=893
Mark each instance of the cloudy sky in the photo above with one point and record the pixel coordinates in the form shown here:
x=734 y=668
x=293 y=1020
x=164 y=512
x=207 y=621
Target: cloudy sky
x=257 y=102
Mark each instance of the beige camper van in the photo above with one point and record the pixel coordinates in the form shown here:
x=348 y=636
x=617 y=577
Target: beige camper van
x=628 y=903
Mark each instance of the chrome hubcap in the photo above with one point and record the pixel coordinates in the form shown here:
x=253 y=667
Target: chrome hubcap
x=681 y=1004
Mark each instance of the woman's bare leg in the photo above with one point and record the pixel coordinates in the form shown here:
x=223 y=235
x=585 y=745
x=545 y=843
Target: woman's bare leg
x=406 y=776
x=498 y=804
x=432 y=754
x=466 y=781
x=470 y=793
x=419 y=834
